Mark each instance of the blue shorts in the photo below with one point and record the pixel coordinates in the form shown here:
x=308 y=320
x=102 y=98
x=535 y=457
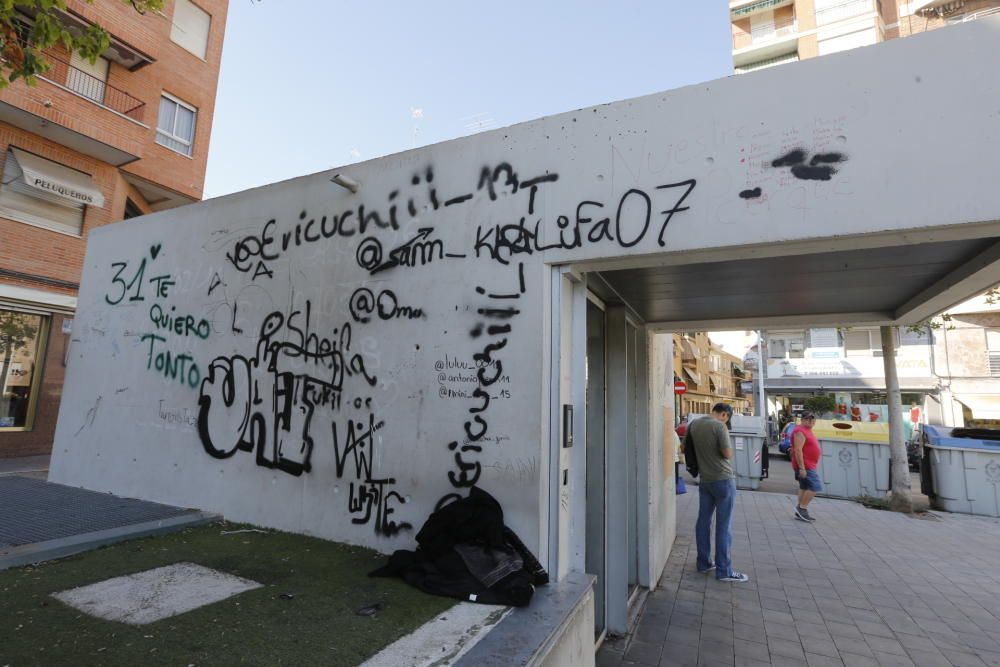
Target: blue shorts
x=811 y=482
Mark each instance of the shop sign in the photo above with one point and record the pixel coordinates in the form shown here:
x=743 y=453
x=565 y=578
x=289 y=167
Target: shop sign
x=853 y=367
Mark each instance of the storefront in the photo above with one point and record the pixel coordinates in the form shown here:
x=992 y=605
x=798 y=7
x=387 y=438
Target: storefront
x=34 y=343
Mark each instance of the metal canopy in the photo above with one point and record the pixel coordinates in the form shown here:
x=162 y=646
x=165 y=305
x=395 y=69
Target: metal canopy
x=859 y=284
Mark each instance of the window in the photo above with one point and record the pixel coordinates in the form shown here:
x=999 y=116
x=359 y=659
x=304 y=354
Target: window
x=175 y=127
x=132 y=209
x=910 y=337
x=867 y=342
x=21 y=342
x=44 y=193
x=993 y=351
x=857 y=343
x=786 y=344
x=87 y=79
x=190 y=27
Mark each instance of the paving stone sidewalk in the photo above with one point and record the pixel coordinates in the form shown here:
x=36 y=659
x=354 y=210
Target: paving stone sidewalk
x=859 y=588
x=40 y=521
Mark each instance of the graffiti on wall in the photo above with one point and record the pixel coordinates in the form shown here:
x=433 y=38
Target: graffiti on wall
x=305 y=379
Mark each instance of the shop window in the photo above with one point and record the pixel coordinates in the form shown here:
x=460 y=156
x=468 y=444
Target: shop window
x=44 y=193
x=175 y=125
x=21 y=346
x=190 y=26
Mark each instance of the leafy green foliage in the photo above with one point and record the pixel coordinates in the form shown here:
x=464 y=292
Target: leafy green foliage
x=28 y=28
x=16 y=329
x=820 y=404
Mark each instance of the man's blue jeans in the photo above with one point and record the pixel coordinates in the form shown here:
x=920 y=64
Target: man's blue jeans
x=718 y=498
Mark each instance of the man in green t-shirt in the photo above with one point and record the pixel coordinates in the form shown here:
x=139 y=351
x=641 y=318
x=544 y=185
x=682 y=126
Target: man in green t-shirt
x=716 y=491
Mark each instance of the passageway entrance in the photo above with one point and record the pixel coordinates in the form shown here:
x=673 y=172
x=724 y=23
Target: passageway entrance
x=610 y=316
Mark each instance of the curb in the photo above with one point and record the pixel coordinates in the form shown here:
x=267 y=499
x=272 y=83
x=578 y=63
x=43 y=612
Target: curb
x=66 y=546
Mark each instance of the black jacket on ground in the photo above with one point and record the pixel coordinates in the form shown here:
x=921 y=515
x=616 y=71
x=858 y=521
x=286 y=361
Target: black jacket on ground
x=465 y=551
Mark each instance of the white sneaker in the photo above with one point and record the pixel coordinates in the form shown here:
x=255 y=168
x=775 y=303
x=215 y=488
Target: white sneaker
x=735 y=576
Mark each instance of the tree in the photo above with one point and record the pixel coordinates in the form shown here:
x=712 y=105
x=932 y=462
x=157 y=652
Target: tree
x=820 y=404
x=16 y=331
x=29 y=27
x=899 y=468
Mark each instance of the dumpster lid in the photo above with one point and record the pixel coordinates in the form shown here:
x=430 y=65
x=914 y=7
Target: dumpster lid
x=961 y=438
x=977 y=433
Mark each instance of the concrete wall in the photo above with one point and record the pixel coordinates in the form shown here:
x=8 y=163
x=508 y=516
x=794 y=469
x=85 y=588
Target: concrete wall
x=662 y=480
x=336 y=363
x=574 y=646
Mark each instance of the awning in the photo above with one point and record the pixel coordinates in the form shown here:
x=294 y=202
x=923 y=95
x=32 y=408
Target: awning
x=55 y=179
x=982 y=406
x=693 y=375
x=36 y=301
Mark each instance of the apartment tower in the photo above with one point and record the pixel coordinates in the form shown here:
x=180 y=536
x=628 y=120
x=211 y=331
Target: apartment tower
x=772 y=32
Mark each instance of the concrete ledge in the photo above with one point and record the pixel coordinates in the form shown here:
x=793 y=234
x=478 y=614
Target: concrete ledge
x=557 y=628
x=67 y=546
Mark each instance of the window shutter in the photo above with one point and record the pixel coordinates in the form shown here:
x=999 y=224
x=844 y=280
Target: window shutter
x=23 y=203
x=857 y=343
x=86 y=78
x=190 y=27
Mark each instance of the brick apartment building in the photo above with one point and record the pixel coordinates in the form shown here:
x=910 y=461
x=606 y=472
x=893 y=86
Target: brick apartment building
x=772 y=32
x=711 y=376
x=88 y=145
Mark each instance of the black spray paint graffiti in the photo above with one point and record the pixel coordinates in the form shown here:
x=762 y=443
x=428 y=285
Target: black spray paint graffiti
x=418 y=251
x=368 y=497
x=269 y=404
x=364 y=304
x=628 y=227
x=262 y=399
x=497 y=320
x=820 y=167
x=253 y=252
x=167 y=322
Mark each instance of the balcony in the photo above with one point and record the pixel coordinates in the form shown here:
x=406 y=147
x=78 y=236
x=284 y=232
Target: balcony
x=94 y=89
x=770 y=34
x=844 y=10
x=739 y=9
x=973 y=16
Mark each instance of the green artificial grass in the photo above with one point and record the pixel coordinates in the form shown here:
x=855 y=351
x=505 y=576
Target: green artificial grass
x=305 y=614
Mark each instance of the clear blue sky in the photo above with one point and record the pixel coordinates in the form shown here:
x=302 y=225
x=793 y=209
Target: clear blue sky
x=307 y=85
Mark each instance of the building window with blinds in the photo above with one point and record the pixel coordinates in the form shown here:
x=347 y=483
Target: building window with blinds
x=189 y=27
x=175 y=126
x=44 y=193
x=993 y=351
x=21 y=341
